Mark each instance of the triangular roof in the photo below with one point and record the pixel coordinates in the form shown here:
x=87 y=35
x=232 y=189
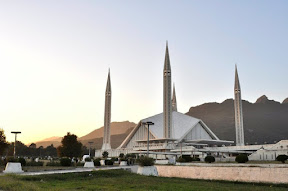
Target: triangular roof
x=181 y=125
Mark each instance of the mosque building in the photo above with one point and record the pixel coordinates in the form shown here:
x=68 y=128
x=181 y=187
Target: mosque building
x=171 y=133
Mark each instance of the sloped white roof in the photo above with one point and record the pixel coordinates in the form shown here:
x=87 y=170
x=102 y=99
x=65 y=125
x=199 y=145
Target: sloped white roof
x=181 y=123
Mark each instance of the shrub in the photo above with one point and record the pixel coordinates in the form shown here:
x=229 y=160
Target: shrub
x=2 y=162
x=123 y=159
x=242 y=158
x=131 y=155
x=65 y=162
x=121 y=155
x=109 y=162
x=88 y=159
x=22 y=161
x=209 y=159
x=187 y=158
x=180 y=159
x=145 y=161
x=79 y=164
x=105 y=154
x=97 y=162
x=196 y=159
x=282 y=158
x=114 y=159
x=53 y=164
x=11 y=159
x=33 y=163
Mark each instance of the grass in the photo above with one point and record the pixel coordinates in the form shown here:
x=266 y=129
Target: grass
x=122 y=180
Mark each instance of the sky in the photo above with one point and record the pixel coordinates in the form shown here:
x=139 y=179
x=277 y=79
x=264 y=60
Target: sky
x=55 y=57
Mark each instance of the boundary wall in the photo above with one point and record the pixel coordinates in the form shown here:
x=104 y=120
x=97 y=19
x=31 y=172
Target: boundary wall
x=276 y=175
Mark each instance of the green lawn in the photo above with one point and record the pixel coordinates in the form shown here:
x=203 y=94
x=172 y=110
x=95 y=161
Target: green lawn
x=121 y=180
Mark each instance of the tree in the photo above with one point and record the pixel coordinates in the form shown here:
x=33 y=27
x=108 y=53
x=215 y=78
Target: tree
x=70 y=146
x=50 y=151
x=3 y=142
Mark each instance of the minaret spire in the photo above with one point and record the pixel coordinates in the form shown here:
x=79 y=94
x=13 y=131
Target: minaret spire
x=107 y=115
x=238 y=111
x=174 y=101
x=167 y=106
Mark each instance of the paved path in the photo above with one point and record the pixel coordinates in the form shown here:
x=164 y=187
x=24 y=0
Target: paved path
x=72 y=170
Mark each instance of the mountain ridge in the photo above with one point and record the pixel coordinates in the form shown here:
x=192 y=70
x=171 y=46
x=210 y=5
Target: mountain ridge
x=264 y=121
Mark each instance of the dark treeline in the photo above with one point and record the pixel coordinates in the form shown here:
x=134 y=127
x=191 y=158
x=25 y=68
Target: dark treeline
x=30 y=151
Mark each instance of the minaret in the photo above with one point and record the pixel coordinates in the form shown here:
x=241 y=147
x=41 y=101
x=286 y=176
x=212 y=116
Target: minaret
x=174 y=101
x=107 y=116
x=238 y=111
x=167 y=106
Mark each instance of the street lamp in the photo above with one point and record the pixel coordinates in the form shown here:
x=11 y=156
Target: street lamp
x=148 y=123
x=90 y=143
x=15 y=132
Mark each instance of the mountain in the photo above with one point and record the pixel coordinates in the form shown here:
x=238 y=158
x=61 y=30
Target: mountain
x=116 y=129
x=264 y=121
x=56 y=141
x=285 y=101
x=119 y=131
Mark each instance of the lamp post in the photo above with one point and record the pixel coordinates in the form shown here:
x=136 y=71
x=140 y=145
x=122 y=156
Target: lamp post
x=15 y=132
x=148 y=123
x=90 y=142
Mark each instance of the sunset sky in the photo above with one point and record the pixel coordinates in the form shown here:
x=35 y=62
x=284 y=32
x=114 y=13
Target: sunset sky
x=55 y=57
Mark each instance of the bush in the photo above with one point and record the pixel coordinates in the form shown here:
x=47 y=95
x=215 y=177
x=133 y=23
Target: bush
x=109 y=162
x=33 y=163
x=282 y=158
x=79 y=164
x=209 y=159
x=114 y=159
x=22 y=161
x=180 y=159
x=2 y=162
x=121 y=155
x=131 y=155
x=105 y=154
x=53 y=164
x=97 y=162
x=11 y=159
x=187 y=158
x=65 y=162
x=145 y=161
x=242 y=158
x=88 y=159
x=123 y=159
x=196 y=159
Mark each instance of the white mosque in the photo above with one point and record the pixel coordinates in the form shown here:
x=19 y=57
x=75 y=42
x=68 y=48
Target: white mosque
x=172 y=133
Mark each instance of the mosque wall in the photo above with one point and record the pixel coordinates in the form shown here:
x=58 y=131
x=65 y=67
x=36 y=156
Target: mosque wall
x=198 y=132
x=273 y=174
x=141 y=134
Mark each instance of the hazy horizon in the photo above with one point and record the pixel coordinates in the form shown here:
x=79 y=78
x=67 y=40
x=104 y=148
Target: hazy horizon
x=55 y=56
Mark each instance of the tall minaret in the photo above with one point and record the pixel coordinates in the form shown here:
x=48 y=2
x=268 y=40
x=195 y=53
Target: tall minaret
x=107 y=116
x=167 y=107
x=174 y=101
x=238 y=111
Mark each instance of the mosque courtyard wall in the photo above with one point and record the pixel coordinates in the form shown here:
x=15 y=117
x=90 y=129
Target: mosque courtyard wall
x=271 y=173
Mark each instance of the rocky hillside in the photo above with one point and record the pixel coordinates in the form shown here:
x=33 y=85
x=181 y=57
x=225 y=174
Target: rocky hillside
x=119 y=131
x=264 y=121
